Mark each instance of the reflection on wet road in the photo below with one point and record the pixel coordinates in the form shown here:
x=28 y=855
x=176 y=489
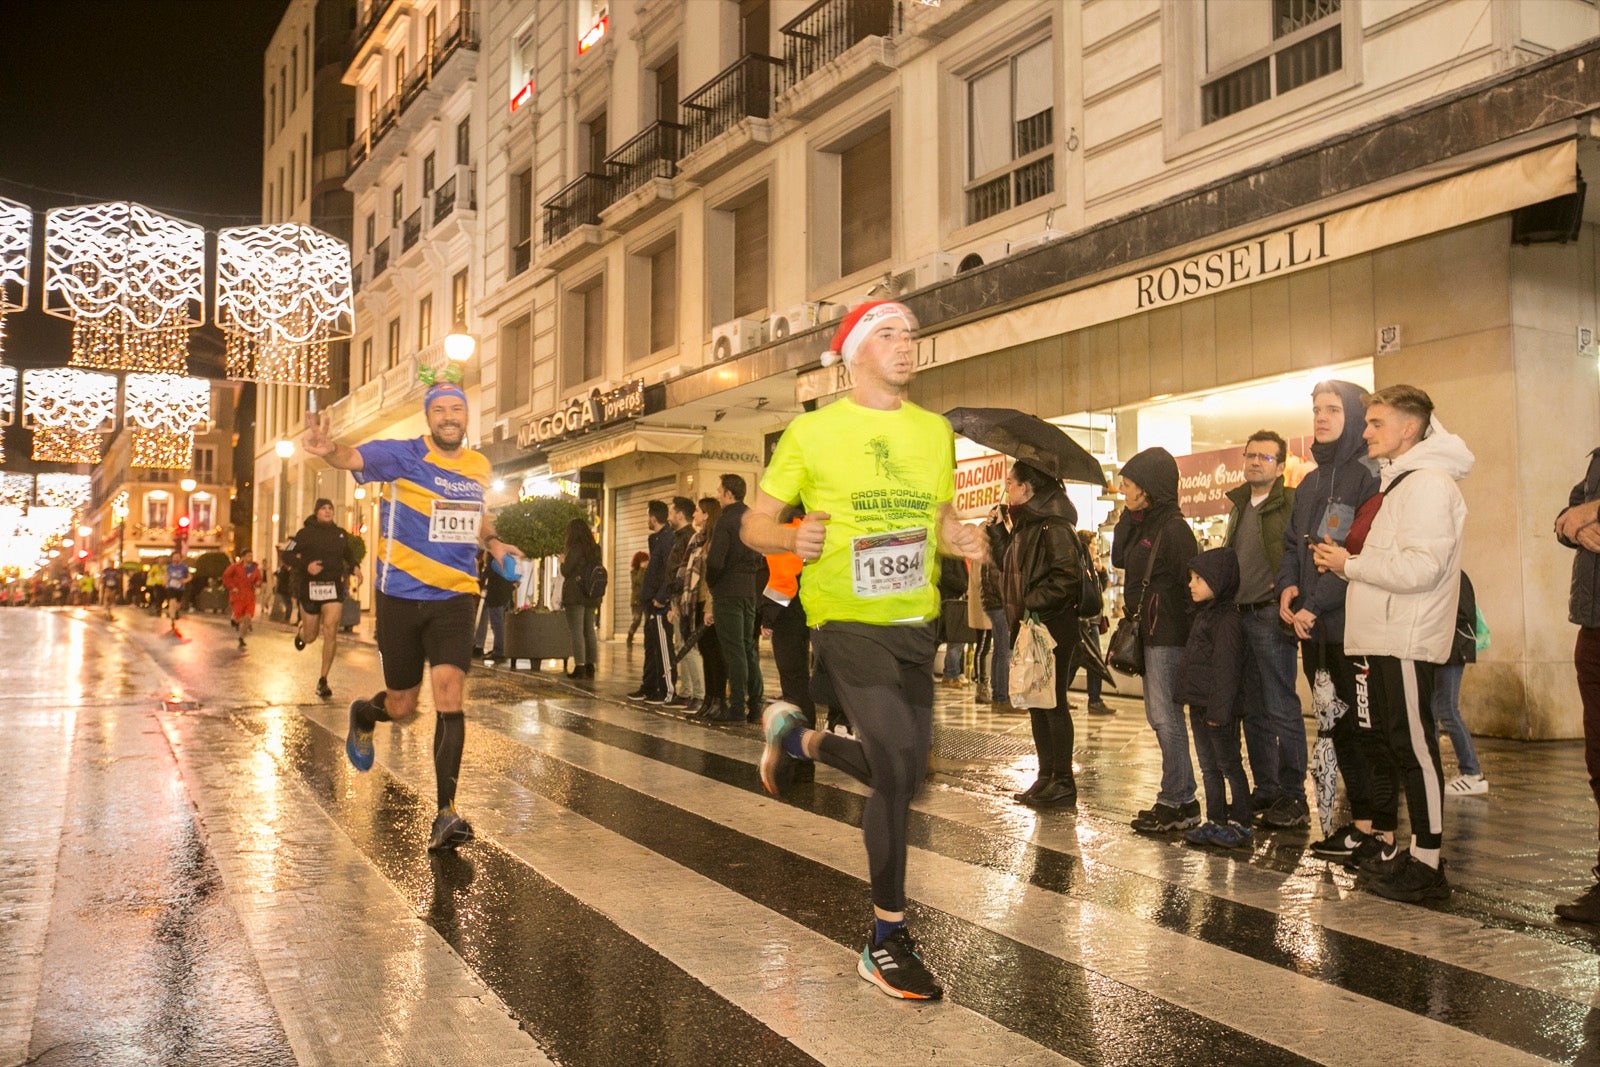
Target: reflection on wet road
x=200 y=878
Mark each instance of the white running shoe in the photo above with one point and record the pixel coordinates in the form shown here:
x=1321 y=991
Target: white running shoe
x=1467 y=785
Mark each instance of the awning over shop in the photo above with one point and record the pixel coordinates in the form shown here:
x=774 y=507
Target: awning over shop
x=1469 y=197
x=589 y=450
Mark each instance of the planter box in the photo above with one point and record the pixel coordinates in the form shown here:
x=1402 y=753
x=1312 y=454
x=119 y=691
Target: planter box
x=212 y=601
x=536 y=636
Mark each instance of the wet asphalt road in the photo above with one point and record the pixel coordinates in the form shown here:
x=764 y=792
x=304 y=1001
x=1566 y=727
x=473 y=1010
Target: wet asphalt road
x=199 y=878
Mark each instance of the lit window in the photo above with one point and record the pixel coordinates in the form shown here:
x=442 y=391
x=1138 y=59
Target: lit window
x=1253 y=54
x=1011 y=133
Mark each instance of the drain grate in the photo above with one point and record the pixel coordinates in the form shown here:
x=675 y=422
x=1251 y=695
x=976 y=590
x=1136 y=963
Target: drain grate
x=976 y=746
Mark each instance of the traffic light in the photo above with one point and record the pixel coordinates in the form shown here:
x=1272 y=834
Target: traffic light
x=180 y=536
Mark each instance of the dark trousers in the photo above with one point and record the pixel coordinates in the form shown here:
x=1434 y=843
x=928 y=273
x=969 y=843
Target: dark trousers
x=1402 y=745
x=791 y=649
x=1222 y=770
x=657 y=679
x=710 y=646
x=1347 y=746
x=1586 y=658
x=735 y=619
x=883 y=677
x=1052 y=727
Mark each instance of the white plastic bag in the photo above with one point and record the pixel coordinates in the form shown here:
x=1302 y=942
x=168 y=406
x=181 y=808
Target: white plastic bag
x=1032 y=679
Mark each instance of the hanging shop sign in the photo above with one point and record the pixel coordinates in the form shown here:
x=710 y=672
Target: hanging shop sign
x=584 y=413
x=980 y=485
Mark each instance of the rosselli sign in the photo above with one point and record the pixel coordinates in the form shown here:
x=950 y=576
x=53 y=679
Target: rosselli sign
x=1247 y=262
x=584 y=413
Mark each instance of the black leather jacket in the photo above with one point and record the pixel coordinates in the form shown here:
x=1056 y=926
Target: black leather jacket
x=1041 y=570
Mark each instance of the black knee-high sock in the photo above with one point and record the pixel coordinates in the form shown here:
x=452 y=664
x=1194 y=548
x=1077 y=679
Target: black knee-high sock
x=449 y=735
x=379 y=710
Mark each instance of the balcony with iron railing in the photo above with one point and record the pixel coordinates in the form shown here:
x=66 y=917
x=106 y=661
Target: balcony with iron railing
x=376 y=9
x=572 y=218
x=653 y=153
x=380 y=258
x=411 y=231
x=744 y=90
x=355 y=277
x=840 y=44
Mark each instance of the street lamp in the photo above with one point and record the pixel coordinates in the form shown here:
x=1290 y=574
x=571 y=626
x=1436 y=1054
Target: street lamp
x=459 y=345
x=285 y=449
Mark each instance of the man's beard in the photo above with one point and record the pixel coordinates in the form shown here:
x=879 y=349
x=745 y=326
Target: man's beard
x=461 y=437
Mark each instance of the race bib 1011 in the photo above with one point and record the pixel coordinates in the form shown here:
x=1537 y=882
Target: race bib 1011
x=455 y=522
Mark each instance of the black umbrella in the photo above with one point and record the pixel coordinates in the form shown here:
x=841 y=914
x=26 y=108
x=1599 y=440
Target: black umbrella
x=1030 y=439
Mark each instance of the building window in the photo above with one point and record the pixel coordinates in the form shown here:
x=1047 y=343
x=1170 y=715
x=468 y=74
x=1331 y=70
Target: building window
x=394 y=342
x=464 y=143
x=400 y=74
x=204 y=464
x=1253 y=53
x=202 y=513
x=305 y=163
x=272 y=114
x=865 y=204
x=514 y=376
x=157 y=509
x=425 y=322
x=592 y=140
x=294 y=82
x=755 y=27
x=458 y=299
x=366 y=360
x=430 y=32
x=427 y=174
x=521 y=230
x=399 y=206
x=583 y=324
x=371 y=230
x=372 y=107
x=666 y=77
x=306 y=40
x=294 y=175
x=652 y=325
x=1011 y=133
x=750 y=255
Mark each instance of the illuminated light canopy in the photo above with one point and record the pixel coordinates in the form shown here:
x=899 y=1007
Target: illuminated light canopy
x=163 y=411
x=69 y=410
x=16 y=490
x=16 y=247
x=8 y=402
x=131 y=280
x=283 y=293
x=62 y=491
x=594 y=34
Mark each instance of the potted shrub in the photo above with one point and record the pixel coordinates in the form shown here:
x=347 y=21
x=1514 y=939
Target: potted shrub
x=538 y=526
x=352 y=603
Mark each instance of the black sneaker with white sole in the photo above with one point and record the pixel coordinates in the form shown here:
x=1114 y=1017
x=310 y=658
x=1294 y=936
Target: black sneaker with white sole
x=1413 y=881
x=1339 y=845
x=895 y=968
x=1163 y=818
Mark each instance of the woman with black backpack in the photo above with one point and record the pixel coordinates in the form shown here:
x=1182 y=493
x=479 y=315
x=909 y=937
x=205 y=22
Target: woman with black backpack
x=581 y=572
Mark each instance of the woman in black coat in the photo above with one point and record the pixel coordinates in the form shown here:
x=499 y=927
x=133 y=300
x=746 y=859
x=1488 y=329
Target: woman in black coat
x=1041 y=574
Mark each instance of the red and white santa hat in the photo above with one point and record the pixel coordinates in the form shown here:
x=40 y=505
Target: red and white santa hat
x=855 y=326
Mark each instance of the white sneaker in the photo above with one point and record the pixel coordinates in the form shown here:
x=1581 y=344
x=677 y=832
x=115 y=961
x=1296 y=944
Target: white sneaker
x=1468 y=785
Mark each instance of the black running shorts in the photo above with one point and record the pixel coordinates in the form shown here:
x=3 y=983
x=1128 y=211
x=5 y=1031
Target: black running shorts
x=414 y=632
x=314 y=607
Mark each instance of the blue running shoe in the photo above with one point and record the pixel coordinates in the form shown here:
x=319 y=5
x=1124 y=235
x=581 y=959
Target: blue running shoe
x=449 y=831
x=894 y=966
x=1204 y=834
x=358 y=742
x=1234 y=835
x=776 y=764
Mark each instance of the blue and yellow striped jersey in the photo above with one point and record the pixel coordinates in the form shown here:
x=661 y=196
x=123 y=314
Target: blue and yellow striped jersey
x=428 y=521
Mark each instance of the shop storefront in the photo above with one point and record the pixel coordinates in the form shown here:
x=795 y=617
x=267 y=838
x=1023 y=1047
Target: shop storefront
x=1425 y=286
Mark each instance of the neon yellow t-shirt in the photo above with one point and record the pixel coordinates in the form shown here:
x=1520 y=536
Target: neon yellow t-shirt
x=882 y=476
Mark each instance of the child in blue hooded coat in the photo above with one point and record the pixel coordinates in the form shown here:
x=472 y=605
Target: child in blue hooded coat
x=1208 y=682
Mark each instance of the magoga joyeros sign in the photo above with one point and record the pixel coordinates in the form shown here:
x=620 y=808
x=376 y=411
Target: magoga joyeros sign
x=584 y=413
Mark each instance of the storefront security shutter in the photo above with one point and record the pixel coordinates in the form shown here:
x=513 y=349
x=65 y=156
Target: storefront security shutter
x=632 y=535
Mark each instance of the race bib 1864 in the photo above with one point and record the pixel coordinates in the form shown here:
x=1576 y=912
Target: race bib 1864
x=455 y=522
x=888 y=563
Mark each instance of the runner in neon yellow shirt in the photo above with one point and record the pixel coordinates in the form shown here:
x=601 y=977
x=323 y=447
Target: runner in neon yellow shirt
x=876 y=474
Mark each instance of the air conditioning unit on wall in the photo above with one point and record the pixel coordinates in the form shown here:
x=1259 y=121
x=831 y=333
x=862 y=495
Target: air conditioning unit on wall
x=735 y=336
x=924 y=272
x=982 y=256
x=797 y=319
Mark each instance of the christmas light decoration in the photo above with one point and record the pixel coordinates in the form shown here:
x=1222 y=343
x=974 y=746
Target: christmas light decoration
x=131 y=280
x=16 y=490
x=62 y=491
x=16 y=246
x=69 y=410
x=163 y=411
x=8 y=400
x=283 y=293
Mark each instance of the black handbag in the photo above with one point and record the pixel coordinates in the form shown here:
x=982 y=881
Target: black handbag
x=1125 y=650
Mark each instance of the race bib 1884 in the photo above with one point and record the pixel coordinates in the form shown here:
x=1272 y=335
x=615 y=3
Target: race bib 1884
x=888 y=563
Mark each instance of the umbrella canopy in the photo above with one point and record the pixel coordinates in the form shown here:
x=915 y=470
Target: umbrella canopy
x=1088 y=654
x=1030 y=439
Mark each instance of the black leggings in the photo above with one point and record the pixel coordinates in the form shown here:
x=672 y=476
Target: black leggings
x=1052 y=727
x=1347 y=745
x=883 y=677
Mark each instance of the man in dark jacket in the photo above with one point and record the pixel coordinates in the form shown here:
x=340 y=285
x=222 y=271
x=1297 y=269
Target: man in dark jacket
x=736 y=574
x=322 y=559
x=1312 y=602
x=1152 y=538
x=1274 y=731
x=656 y=685
x=681 y=518
x=1578 y=527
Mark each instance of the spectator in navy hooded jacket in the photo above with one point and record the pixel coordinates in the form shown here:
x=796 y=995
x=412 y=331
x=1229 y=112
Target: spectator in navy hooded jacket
x=1312 y=602
x=1208 y=682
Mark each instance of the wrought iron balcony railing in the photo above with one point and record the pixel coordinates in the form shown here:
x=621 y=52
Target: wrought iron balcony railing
x=745 y=90
x=411 y=231
x=579 y=204
x=827 y=29
x=444 y=200
x=380 y=257
x=654 y=153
